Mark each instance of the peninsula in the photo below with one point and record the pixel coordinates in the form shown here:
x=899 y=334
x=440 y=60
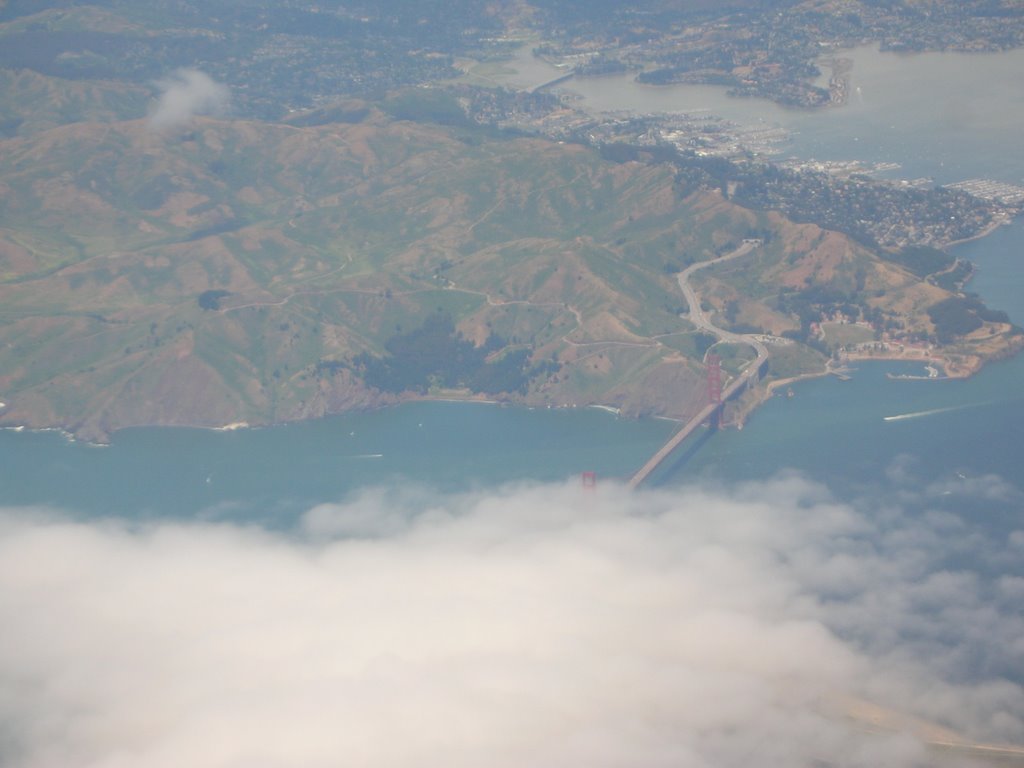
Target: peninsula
x=242 y=265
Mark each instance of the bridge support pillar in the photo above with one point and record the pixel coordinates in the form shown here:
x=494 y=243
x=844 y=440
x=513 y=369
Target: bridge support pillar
x=714 y=373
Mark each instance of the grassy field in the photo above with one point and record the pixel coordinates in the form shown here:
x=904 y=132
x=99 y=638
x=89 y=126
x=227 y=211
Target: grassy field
x=838 y=335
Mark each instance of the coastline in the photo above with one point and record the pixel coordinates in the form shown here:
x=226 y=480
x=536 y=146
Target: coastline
x=951 y=370
x=743 y=406
x=956 y=362
x=955 y=365
x=757 y=396
x=965 y=366
x=103 y=440
x=771 y=386
x=983 y=232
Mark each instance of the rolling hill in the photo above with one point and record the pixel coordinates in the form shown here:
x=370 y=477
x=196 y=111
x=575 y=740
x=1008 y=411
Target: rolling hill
x=236 y=271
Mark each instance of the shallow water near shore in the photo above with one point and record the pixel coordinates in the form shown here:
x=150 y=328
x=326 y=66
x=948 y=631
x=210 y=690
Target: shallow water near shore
x=274 y=474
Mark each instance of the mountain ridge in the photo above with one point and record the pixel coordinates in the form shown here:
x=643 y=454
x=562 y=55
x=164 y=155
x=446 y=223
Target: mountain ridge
x=316 y=244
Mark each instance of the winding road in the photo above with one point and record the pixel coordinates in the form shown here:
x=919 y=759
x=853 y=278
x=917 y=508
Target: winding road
x=699 y=319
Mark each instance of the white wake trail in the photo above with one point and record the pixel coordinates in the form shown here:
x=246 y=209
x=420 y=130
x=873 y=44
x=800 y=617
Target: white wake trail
x=932 y=412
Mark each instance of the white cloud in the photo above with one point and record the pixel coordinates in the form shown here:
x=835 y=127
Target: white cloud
x=988 y=487
x=534 y=627
x=185 y=94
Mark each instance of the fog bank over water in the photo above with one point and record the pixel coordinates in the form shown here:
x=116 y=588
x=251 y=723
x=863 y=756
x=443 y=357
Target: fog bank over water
x=540 y=626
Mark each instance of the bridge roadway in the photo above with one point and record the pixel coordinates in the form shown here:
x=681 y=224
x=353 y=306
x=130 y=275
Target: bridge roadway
x=554 y=81
x=700 y=320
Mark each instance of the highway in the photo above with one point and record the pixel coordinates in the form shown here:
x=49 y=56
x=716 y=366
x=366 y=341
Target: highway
x=696 y=314
x=700 y=320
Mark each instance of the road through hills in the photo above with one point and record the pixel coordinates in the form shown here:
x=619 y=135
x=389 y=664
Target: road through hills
x=699 y=319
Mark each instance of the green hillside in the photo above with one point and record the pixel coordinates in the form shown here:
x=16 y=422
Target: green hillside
x=322 y=243
x=239 y=271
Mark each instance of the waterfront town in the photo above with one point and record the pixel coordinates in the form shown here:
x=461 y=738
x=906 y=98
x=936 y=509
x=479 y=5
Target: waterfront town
x=748 y=163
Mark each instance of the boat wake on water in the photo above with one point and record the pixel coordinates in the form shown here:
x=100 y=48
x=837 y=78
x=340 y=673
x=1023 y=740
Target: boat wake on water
x=932 y=412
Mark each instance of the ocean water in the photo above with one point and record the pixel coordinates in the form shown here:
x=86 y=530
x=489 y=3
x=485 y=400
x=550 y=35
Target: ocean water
x=856 y=434
x=274 y=474
x=949 y=435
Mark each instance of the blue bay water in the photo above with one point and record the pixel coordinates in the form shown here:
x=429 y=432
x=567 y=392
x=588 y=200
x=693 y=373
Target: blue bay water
x=852 y=434
x=275 y=474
